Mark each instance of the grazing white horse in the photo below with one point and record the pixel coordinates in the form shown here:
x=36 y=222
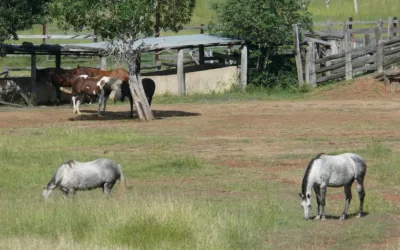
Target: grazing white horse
x=332 y=171
x=74 y=175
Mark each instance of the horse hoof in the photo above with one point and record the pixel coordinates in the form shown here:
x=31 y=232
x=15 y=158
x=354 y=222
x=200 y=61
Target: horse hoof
x=358 y=216
x=343 y=217
x=317 y=217
x=323 y=218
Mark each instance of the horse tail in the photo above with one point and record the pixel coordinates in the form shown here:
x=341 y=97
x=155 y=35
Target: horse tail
x=122 y=182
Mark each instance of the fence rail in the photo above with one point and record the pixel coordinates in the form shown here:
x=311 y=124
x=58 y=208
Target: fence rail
x=331 y=54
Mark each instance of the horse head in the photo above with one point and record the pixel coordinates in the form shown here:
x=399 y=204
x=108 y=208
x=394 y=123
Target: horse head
x=306 y=205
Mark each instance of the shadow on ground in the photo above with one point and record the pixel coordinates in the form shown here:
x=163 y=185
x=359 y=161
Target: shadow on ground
x=91 y=115
x=335 y=217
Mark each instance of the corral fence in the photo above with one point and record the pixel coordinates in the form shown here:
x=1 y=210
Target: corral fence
x=333 y=53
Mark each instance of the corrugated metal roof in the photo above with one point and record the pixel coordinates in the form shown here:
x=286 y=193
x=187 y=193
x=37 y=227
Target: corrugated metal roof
x=168 y=42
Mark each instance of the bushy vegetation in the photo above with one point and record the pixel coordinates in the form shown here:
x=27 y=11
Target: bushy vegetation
x=266 y=26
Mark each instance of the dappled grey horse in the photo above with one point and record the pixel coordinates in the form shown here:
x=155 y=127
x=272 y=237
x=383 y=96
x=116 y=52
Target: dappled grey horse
x=332 y=171
x=74 y=175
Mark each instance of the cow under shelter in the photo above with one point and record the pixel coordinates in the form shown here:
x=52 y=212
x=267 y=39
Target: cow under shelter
x=207 y=73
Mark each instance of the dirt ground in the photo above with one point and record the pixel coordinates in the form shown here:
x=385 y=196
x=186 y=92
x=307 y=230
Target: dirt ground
x=336 y=119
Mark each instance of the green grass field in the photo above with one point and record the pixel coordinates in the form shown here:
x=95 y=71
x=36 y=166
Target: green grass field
x=226 y=179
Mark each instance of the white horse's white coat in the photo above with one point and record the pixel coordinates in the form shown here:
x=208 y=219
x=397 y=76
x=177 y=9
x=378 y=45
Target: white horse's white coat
x=332 y=171
x=74 y=175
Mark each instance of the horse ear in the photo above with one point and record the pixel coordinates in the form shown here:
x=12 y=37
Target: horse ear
x=308 y=196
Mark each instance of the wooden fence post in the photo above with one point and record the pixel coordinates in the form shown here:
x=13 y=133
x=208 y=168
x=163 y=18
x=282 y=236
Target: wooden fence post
x=390 y=28
x=44 y=33
x=299 y=65
x=329 y=25
x=310 y=64
x=313 y=75
x=379 y=46
x=348 y=48
x=33 y=77
x=58 y=60
x=180 y=74
x=243 y=68
x=367 y=39
x=394 y=25
x=202 y=28
x=350 y=27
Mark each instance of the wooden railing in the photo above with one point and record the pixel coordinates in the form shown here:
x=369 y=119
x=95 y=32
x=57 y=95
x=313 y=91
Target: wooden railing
x=342 y=54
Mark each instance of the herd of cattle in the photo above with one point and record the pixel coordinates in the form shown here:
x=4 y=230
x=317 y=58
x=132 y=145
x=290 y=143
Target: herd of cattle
x=86 y=81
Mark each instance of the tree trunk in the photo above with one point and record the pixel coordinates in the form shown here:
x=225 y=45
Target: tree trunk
x=138 y=95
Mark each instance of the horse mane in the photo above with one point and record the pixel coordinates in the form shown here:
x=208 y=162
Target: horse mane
x=307 y=173
x=69 y=163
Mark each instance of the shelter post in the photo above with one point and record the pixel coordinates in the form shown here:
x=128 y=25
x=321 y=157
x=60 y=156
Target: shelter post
x=348 y=49
x=243 y=68
x=180 y=73
x=201 y=54
x=58 y=60
x=33 y=78
x=379 y=46
x=299 y=65
x=103 y=62
x=44 y=33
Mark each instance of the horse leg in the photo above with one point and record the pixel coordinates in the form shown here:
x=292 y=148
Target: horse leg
x=347 y=191
x=105 y=104
x=131 y=103
x=101 y=101
x=78 y=102
x=58 y=94
x=107 y=187
x=317 y=191
x=73 y=103
x=361 y=194
x=323 y=188
x=65 y=192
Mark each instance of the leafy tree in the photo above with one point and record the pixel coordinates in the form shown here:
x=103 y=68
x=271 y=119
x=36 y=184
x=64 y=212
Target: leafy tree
x=16 y=15
x=265 y=25
x=123 y=22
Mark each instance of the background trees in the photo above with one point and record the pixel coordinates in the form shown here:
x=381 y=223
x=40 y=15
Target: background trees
x=124 y=22
x=265 y=25
x=18 y=15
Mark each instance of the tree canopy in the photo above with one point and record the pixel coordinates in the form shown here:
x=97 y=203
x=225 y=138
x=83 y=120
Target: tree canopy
x=263 y=22
x=113 y=18
x=16 y=15
x=265 y=25
x=123 y=22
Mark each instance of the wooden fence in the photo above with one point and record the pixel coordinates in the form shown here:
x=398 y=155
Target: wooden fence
x=341 y=54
